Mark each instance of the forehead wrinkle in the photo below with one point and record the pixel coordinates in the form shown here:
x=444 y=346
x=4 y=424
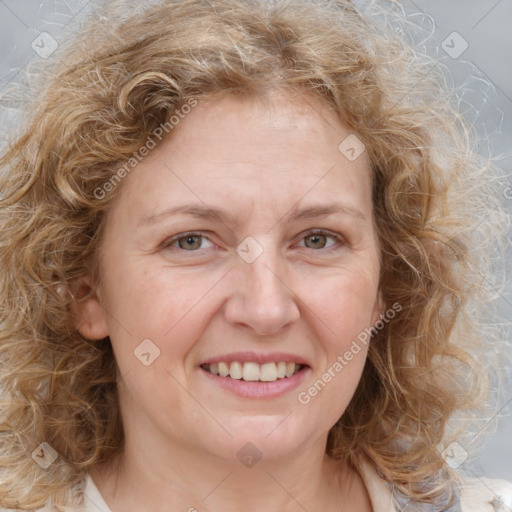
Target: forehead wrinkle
x=217 y=214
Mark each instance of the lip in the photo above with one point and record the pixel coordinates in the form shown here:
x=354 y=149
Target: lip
x=261 y=358
x=257 y=389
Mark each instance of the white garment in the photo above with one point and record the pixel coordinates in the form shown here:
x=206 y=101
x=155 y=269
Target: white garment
x=477 y=495
x=93 y=501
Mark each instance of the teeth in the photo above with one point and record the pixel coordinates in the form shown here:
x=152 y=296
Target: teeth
x=223 y=369
x=249 y=371
x=268 y=372
x=281 y=370
x=236 y=370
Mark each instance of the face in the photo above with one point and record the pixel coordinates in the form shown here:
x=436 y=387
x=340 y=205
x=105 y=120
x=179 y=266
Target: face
x=244 y=242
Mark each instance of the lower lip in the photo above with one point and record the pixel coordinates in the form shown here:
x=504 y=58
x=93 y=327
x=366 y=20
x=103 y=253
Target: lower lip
x=258 y=389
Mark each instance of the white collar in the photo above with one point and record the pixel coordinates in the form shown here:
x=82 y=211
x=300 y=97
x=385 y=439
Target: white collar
x=94 y=501
x=380 y=494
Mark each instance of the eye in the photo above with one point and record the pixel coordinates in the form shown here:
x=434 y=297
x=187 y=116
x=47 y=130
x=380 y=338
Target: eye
x=319 y=239
x=188 y=242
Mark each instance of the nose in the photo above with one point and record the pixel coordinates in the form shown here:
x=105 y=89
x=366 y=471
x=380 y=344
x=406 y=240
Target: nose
x=262 y=300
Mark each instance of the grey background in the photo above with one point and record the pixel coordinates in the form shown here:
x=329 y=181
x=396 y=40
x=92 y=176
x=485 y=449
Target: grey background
x=486 y=65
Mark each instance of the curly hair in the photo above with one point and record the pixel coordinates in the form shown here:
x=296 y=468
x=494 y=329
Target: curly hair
x=102 y=97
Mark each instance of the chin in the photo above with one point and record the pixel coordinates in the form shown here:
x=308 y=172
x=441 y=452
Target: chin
x=266 y=437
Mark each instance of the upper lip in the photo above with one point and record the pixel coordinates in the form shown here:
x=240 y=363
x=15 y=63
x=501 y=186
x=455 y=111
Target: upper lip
x=255 y=357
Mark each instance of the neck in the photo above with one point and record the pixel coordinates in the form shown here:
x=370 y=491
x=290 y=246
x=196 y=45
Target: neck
x=186 y=480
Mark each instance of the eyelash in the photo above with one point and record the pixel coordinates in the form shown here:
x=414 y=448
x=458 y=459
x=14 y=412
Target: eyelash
x=329 y=234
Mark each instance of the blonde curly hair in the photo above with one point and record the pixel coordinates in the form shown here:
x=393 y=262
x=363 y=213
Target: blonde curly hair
x=99 y=101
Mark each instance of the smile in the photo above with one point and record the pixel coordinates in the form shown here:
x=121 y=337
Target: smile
x=252 y=371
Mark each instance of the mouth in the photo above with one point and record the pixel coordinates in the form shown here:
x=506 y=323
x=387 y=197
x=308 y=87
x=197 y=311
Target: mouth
x=251 y=371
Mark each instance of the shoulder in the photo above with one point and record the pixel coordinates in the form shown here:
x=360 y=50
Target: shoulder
x=485 y=495
x=476 y=494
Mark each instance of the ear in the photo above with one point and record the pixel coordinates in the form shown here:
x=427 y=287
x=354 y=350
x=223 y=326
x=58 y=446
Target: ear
x=89 y=315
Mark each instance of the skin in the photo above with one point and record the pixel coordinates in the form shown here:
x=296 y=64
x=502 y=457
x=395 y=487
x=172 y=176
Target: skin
x=306 y=296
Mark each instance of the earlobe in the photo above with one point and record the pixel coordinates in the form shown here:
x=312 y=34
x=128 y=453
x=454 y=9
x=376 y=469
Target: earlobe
x=89 y=315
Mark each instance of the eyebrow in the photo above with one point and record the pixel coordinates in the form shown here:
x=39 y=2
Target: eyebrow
x=217 y=214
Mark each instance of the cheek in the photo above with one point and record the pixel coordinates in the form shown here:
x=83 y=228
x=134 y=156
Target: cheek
x=167 y=307
x=153 y=298
x=341 y=310
x=343 y=305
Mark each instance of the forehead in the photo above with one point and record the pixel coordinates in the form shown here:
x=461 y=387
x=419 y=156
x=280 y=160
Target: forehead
x=284 y=146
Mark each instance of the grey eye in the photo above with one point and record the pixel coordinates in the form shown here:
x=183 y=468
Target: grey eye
x=190 y=242
x=316 y=241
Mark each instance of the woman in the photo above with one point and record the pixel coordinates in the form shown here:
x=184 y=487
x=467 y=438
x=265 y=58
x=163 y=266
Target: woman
x=235 y=271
